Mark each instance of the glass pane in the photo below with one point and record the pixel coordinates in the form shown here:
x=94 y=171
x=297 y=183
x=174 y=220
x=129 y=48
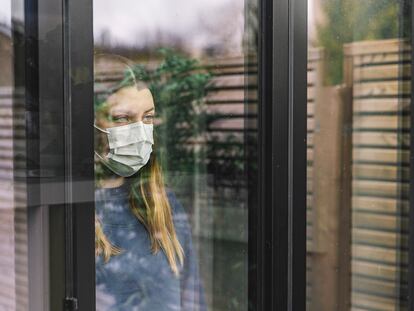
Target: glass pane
x=175 y=116
x=13 y=218
x=358 y=155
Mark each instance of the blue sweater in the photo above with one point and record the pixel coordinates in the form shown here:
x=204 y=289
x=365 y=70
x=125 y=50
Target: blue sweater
x=137 y=279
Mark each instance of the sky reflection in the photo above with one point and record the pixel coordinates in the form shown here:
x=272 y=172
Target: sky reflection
x=196 y=25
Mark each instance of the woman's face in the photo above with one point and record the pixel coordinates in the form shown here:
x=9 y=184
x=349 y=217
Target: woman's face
x=125 y=106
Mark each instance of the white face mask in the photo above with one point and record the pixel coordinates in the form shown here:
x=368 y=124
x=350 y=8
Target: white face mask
x=130 y=147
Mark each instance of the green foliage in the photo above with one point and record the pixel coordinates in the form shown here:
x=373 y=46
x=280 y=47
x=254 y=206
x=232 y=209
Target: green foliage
x=354 y=20
x=179 y=86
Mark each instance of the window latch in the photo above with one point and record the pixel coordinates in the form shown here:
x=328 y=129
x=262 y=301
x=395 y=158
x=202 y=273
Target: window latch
x=70 y=304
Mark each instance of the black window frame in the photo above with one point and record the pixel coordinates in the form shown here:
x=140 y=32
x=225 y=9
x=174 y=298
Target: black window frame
x=58 y=81
x=279 y=247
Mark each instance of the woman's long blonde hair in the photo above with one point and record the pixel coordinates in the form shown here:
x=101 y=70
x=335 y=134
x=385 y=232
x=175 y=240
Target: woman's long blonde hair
x=150 y=204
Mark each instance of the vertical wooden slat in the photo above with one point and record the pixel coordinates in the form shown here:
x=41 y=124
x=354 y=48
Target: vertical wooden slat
x=331 y=205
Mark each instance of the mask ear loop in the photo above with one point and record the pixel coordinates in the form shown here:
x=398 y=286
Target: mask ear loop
x=103 y=131
x=100 y=129
x=99 y=156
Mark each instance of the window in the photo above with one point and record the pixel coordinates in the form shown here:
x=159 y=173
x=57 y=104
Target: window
x=212 y=155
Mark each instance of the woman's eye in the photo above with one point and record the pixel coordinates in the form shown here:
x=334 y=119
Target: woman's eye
x=120 y=119
x=148 y=118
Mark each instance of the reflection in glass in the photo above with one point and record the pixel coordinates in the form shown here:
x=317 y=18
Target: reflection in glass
x=175 y=108
x=13 y=205
x=358 y=155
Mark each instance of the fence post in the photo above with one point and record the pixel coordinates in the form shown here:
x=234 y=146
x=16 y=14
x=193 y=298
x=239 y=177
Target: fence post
x=332 y=183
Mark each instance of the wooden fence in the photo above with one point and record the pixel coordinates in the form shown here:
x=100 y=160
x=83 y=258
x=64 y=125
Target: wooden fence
x=365 y=238
x=380 y=74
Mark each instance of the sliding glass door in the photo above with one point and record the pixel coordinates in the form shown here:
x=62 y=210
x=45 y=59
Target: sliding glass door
x=207 y=155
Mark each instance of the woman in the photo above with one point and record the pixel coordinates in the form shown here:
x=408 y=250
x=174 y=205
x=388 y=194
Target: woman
x=144 y=254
